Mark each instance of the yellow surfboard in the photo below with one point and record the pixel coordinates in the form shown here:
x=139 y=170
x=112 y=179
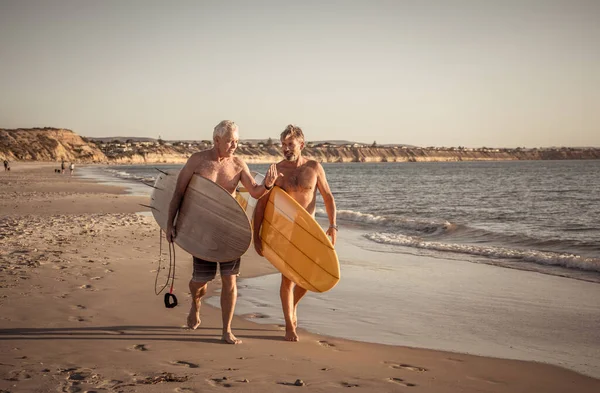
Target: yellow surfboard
x=296 y=244
x=210 y=224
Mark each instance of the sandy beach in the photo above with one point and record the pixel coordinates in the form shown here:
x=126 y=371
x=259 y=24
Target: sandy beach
x=79 y=314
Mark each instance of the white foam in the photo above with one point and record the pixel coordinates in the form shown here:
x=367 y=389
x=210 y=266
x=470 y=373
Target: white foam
x=540 y=257
x=129 y=176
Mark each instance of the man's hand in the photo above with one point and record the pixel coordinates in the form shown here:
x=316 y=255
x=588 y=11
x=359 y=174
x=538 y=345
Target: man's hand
x=271 y=176
x=258 y=247
x=171 y=234
x=332 y=232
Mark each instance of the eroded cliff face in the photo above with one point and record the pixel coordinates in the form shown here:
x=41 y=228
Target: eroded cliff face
x=150 y=158
x=47 y=144
x=388 y=154
x=52 y=144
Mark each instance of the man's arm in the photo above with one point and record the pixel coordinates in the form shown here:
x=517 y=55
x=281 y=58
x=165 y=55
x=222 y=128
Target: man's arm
x=259 y=214
x=258 y=190
x=185 y=175
x=323 y=187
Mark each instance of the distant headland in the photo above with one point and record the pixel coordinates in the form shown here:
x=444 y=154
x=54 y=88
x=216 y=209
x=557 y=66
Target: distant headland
x=55 y=144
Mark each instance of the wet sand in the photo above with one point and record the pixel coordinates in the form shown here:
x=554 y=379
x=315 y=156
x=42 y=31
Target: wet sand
x=79 y=313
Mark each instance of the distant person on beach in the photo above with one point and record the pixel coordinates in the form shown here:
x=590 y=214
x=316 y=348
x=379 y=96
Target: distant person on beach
x=6 y=165
x=62 y=166
x=301 y=179
x=72 y=168
x=219 y=165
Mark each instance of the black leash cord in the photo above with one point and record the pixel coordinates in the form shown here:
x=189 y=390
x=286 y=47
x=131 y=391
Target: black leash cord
x=170 y=300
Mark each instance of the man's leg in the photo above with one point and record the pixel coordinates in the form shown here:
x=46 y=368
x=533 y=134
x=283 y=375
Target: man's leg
x=299 y=293
x=198 y=290
x=286 y=292
x=228 y=300
x=203 y=272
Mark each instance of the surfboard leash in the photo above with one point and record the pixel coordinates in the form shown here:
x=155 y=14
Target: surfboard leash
x=170 y=299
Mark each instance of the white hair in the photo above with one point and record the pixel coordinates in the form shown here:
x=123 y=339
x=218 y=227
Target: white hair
x=224 y=128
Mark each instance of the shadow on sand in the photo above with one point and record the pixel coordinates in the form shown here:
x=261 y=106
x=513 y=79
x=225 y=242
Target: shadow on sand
x=155 y=333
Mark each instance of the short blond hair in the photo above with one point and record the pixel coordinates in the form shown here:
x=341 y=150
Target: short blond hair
x=293 y=132
x=224 y=128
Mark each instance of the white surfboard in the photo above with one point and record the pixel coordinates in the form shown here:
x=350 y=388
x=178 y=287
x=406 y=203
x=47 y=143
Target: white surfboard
x=210 y=224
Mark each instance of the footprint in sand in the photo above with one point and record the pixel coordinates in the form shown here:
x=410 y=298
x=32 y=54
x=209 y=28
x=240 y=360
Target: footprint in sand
x=80 y=375
x=224 y=382
x=79 y=380
x=86 y=286
x=184 y=363
x=298 y=382
x=76 y=319
x=18 y=375
x=108 y=384
x=255 y=315
x=349 y=385
x=406 y=367
x=326 y=344
x=78 y=307
x=139 y=347
x=400 y=381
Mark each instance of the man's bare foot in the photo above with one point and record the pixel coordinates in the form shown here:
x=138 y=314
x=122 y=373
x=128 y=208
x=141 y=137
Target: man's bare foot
x=290 y=335
x=229 y=338
x=193 y=319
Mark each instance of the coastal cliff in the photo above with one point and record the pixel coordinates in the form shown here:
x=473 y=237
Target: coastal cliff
x=53 y=144
x=47 y=144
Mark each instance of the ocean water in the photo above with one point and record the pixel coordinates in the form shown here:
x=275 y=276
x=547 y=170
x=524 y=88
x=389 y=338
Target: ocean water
x=490 y=258
x=443 y=304
x=531 y=215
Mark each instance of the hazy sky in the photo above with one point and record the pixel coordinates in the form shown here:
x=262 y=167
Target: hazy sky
x=428 y=73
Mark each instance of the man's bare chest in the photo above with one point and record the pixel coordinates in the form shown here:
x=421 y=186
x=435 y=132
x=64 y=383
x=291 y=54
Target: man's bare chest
x=298 y=179
x=227 y=176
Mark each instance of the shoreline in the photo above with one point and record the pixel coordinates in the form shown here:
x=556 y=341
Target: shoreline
x=107 y=332
x=272 y=159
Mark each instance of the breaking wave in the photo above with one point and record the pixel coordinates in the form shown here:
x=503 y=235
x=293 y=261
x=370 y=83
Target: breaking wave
x=547 y=258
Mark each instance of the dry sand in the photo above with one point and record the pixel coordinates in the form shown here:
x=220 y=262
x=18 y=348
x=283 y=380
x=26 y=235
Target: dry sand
x=78 y=313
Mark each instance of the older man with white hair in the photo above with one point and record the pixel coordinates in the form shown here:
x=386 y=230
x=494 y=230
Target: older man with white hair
x=221 y=166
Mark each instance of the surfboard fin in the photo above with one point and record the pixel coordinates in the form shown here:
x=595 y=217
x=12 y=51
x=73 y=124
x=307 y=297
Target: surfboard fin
x=163 y=172
x=150 y=207
x=151 y=185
